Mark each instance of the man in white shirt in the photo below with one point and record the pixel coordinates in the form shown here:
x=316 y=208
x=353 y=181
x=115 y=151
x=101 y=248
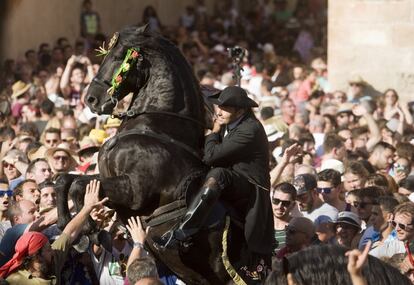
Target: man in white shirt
x=309 y=203
x=403 y=224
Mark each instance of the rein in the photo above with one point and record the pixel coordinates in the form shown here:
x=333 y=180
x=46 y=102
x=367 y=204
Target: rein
x=133 y=113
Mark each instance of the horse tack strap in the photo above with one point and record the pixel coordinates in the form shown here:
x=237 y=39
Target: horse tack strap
x=132 y=113
x=166 y=213
x=159 y=136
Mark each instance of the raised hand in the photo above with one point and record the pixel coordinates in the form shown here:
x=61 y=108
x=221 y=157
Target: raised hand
x=291 y=153
x=357 y=259
x=359 y=110
x=136 y=231
x=92 y=195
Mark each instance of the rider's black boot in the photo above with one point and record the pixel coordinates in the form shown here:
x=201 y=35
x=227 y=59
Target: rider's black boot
x=197 y=212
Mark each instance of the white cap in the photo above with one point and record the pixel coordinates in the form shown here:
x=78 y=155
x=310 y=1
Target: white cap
x=333 y=164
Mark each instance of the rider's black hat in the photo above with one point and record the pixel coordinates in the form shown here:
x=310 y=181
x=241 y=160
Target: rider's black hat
x=233 y=96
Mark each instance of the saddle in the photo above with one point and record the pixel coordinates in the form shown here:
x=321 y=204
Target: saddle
x=189 y=187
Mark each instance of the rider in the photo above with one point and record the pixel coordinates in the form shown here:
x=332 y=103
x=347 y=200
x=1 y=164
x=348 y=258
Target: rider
x=237 y=149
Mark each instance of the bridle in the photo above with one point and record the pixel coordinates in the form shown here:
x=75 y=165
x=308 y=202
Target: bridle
x=132 y=57
x=113 y=91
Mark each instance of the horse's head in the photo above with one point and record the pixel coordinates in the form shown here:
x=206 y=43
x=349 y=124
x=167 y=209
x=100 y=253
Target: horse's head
x=121 y=72
x=150 y=67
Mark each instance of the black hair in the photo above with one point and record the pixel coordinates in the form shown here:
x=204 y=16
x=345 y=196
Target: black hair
x=287 y=188
x=327 y=264
x=266 y=112
x=407 y=183
x=7 y=132
x=26 y=54
x=330 y=175
x=388 y=203
x=372 y=193
x=46 y=183
x=47 y=106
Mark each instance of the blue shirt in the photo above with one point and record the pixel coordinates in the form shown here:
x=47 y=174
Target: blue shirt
x=8 y=242
x=369 y=234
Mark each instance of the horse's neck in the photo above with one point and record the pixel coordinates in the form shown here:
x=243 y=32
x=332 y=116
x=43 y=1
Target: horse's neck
x=175 y=128
x=168 y=90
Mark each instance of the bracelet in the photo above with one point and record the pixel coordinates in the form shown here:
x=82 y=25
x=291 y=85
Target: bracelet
x=139 y=245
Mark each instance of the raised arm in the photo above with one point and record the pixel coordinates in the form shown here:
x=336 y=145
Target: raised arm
x=375 y=134
x=91 y=201
x=138 y=237
x=289 y=155
x=356 y=261
x=65 y=80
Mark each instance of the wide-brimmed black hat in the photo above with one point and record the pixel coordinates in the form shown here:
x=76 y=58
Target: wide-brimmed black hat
x=233 y=96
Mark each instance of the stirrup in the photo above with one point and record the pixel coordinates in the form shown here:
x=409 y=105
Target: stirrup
x=169 y=241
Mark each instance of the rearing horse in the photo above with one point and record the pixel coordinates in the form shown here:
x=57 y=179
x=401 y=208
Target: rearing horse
x=148 y=167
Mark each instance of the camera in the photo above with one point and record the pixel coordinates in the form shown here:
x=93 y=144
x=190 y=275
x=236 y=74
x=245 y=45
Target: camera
x=236 y=53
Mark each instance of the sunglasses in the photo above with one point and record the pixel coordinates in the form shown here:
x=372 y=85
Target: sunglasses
x=6 y=165
x=63 y=157
x=4 y=192
x=326 y=190
x=343 y=115
x=284 y=203
x=404 y=227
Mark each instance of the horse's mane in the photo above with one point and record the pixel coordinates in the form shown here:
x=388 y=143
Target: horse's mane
x=170 y=73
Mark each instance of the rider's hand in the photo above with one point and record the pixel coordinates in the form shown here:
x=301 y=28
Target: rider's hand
x=136 y=231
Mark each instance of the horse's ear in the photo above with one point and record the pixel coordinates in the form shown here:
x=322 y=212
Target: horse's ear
x=143 y=29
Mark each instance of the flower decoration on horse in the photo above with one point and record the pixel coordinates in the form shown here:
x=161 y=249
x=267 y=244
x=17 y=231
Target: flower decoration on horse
x=132 y=56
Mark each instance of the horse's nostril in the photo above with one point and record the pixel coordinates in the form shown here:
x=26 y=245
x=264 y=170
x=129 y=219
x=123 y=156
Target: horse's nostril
x=92 y=100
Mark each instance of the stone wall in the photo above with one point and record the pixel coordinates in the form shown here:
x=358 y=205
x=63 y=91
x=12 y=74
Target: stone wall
x=373 y=39
x=27 y=23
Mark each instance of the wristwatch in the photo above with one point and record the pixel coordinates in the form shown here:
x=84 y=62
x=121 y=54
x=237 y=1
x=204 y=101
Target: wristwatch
x=139 y=245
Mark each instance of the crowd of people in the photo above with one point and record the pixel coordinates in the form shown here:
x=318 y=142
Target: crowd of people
x=340 y=167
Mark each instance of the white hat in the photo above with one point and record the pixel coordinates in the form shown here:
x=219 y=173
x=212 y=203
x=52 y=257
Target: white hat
x=275 y=128
x=333 y=164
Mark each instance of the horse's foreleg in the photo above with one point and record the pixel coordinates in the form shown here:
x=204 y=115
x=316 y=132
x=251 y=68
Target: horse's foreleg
x=62 y=186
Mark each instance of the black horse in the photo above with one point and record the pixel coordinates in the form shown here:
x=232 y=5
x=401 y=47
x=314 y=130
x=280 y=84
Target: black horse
x=154 y=160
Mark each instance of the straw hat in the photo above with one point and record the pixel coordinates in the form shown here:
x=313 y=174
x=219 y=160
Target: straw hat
x=37 y=153
x=87 y=145
x=19 y=88
x=357 y=79
x=23 y=136
x=62 y=147
x=275 y=128
x=112 y=123
x=18 y=159
x=345 y=108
